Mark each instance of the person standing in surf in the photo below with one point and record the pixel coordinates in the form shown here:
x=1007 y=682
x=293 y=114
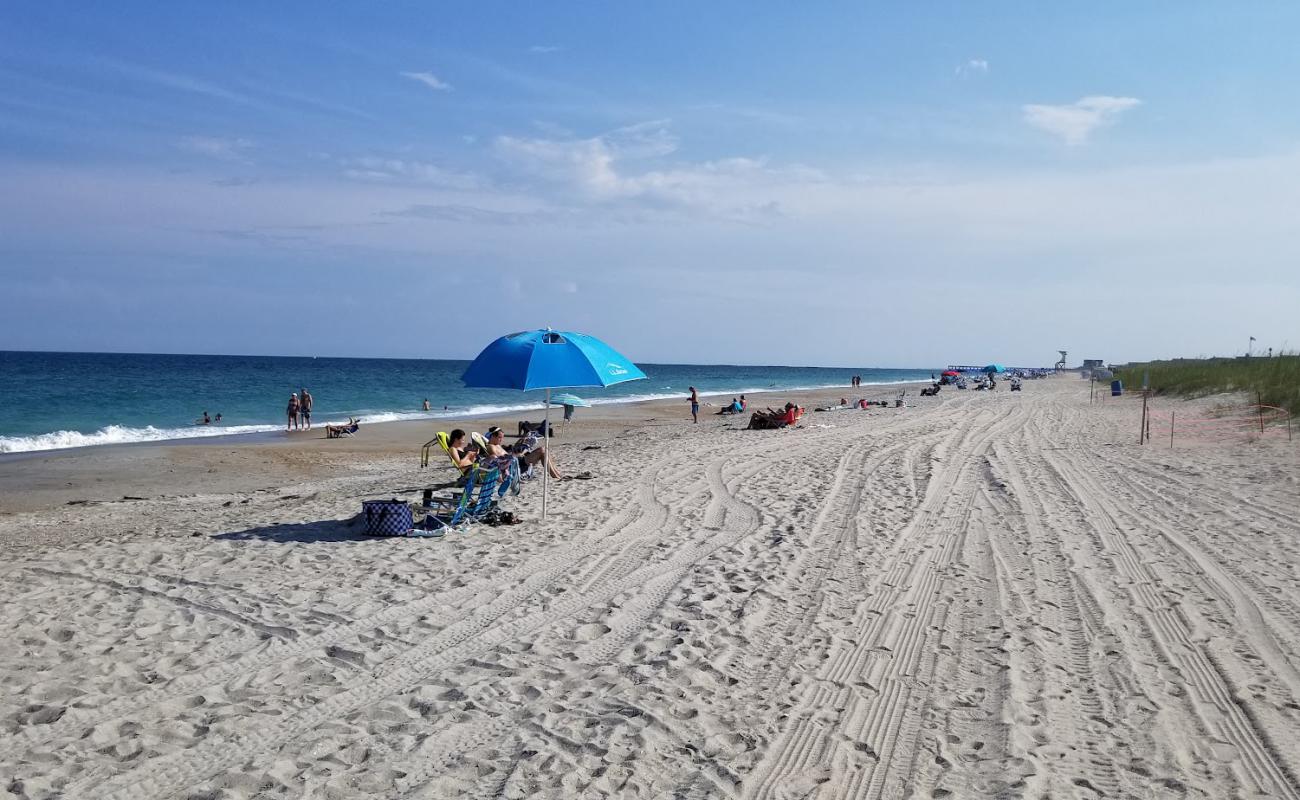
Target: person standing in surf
x=695 y=405
x=292 y=411
x=304 y=409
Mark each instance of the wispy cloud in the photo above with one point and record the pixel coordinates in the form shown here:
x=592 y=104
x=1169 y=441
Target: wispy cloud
x=974 y=66
x=452 y=212
x=429 y=79
x=542 y=49
x=219 y=147
x=396 y=170
x=1075 y=122
x=177 y=82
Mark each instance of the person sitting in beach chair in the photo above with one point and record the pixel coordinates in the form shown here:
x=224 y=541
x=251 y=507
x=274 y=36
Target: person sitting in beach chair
x=517 y=461
x=463 y=454
x=772 y=419
x=339 y=431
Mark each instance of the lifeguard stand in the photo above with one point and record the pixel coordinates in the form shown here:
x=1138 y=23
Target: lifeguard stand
x=1061 y=364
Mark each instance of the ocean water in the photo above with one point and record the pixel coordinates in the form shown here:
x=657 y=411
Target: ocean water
x=57 y=400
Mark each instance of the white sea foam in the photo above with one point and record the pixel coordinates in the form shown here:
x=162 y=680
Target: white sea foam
x=119 y=434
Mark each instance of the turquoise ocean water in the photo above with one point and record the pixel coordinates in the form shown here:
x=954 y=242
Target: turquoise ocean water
x=56 y=400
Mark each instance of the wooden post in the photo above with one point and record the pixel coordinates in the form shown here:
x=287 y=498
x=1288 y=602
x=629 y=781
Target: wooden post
x=1142 y=425
x=1259 y=403
x=1171 y=430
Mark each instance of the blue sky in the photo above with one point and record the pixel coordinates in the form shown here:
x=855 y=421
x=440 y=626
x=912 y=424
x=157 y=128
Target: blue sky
x=833 y=184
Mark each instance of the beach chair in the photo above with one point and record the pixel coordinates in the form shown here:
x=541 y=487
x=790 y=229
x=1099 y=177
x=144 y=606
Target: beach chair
x=443 y=440
x=439 y=439
x=457 y=511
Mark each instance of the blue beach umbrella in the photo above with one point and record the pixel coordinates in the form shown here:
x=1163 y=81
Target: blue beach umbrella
x=995 y=368
x=547 y=359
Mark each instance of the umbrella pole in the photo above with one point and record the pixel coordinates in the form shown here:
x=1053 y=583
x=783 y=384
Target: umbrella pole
x=546 y=457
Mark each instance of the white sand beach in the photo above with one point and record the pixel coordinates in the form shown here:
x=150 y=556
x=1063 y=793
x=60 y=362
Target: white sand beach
x=980 y=595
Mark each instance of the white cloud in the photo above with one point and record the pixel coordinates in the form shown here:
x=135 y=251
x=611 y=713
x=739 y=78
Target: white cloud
x=428 y=79
x=1075 y=122
x=609 y=169
x=223 y=148
x=975 y=66
x=589 y=164
x=542 y=49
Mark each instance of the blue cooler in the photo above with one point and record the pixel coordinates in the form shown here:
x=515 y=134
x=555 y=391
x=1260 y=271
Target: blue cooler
x=1116 y=388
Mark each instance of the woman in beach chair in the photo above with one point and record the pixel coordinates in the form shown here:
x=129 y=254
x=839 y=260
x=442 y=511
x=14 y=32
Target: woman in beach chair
x=771 y=419
x=463 y=454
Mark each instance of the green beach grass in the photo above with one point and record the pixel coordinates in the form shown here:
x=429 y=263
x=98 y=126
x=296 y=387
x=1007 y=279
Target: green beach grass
x=1276 y=380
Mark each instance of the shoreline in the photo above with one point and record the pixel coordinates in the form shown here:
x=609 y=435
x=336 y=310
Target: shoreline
x=386 y=417
x=42 y=479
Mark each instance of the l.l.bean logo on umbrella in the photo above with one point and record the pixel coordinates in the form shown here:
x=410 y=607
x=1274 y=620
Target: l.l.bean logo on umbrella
x=615 y=369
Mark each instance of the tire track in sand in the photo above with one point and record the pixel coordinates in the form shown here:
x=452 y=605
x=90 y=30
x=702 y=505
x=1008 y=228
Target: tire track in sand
x=889 y=655
x=164 y=777
x=1211 y=695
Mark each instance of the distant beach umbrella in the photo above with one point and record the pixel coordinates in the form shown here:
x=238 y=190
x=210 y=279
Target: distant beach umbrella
x=950 y=373
x=991 y=368
x=547 y=359
x=566 y=399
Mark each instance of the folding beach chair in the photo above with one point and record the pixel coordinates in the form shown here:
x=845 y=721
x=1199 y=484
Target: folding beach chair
x=451 y=513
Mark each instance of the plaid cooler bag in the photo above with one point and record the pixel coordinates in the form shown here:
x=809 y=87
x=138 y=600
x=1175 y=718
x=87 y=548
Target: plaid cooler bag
x=387 y=517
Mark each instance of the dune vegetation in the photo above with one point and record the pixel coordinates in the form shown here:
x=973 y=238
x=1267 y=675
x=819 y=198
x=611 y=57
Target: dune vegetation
x=1275 y=381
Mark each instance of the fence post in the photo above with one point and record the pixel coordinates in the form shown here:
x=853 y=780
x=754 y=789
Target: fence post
x=1142 y=423
x=1259 y=403
x=1171 y=430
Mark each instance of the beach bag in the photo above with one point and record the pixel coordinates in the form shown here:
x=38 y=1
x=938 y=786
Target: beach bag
x=387 y=517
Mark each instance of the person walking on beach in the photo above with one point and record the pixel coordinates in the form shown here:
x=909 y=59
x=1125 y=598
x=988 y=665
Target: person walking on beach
x=292 y=411
x=695 y=405
x=304 y=409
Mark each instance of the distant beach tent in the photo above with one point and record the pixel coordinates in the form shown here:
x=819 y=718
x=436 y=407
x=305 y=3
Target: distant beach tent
x=547 y=359
x=566 y=399
x=992 y=368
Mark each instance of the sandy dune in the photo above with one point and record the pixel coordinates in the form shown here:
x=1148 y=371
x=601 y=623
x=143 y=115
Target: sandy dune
x=985 y=595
